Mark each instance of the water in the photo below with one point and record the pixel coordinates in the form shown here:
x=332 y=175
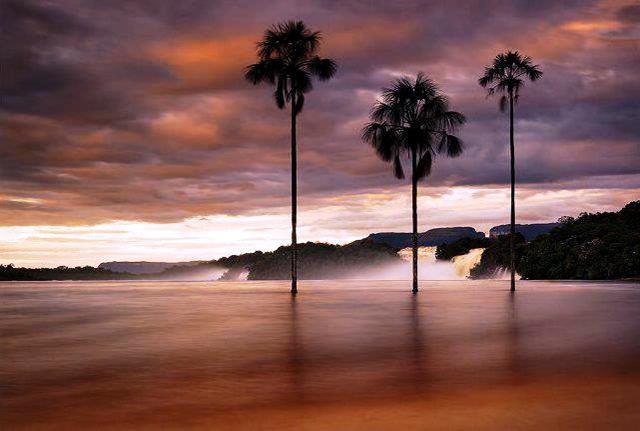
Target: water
x=429 y=267
x=342 y=355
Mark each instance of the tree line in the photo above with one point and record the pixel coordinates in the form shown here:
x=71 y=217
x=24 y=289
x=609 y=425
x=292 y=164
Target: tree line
x=592 y=246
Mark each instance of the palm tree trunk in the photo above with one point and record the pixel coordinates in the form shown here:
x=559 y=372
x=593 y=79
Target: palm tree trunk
x=512 y=230
x=294 y=197
x=414 y=210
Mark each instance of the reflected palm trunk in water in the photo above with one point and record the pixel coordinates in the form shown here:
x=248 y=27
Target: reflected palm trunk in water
x=295 y=354
x=419 y=373
x=512 y=340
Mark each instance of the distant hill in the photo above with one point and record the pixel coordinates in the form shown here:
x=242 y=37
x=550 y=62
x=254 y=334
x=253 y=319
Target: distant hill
x=430 y=238
x=528 y=231
x=142 y=268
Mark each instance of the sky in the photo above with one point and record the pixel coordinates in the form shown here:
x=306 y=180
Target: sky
x=127 y=131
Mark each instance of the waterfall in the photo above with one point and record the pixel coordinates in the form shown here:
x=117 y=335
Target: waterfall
x=430 y=268
x=465 y=262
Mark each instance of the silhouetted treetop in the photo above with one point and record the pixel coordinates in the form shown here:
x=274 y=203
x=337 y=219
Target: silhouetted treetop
x=507 y=75
x=288 y=58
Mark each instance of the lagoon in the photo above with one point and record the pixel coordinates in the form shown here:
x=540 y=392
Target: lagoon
x=342 y=355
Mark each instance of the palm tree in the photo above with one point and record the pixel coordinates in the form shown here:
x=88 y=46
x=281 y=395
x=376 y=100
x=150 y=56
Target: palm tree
x=287 y=58
x=506 y=76
x=413 y=118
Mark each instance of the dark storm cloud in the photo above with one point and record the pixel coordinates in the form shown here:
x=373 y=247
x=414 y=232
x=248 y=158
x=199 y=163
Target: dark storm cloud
x=138 y=109
x=629 y=13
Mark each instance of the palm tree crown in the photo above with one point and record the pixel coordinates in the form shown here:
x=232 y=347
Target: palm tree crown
x=413 y=117
x=507 y=75
x=288 y=59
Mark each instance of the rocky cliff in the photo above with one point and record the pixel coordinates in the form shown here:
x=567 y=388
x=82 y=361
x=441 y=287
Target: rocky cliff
x=430 y=238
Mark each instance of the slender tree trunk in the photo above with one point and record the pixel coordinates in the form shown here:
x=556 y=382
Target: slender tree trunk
x=294 y=197
x=414 y=212
x=512 y=229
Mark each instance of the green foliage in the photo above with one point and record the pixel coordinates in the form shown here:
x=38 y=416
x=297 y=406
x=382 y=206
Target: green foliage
x=497 y=256
x=600 y=246
x=460 y=247
x=318 y=261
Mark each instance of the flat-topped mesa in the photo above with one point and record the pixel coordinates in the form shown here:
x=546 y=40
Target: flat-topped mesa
x=430 y=238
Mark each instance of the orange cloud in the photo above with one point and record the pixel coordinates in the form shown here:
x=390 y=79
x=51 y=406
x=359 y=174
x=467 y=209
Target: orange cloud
x=201 y=64
x=591 y=26
x=365 y=34
x=176 y=128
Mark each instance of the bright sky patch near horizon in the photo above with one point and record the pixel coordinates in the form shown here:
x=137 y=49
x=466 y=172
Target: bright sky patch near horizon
x=128 y=133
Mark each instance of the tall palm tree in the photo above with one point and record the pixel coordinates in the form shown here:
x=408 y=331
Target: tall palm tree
x=413 y=119
x=287 y=58
x=506 y=76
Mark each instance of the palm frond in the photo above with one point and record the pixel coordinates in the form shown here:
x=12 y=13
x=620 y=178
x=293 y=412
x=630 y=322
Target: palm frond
x=280 y=94
x=297 y=108
x=397 y=168
x=450 y=120
x=382 y=138
x=423 y=169
x=323 y=68
x=260 y=72
x=301 y=79
x=384 y=112
x=424 y=88
x=503 y=103
x=454 y=145
x=534 y=73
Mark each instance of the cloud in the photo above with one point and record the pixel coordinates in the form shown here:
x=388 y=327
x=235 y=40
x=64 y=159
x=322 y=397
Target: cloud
x=138 y=111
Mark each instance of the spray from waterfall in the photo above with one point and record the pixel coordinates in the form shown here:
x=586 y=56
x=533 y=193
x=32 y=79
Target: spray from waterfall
x=429 y=267
x=465 y=262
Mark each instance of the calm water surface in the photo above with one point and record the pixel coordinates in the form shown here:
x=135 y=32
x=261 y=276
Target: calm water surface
x=105 y=354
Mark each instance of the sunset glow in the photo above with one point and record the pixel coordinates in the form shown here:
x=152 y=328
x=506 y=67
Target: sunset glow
x=129 y=133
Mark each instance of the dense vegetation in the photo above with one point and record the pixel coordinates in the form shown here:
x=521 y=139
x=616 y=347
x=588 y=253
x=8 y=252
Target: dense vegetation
x=496 y=257
x=460 y=247
x=60 y=273
x=600 y=246
x=10 y=272
x=529 y=231
x=321 y=261
x=241 y=260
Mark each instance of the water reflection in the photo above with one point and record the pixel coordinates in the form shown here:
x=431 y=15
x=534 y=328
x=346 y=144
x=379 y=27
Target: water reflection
x=513 y=365
x=295 y=353
x=418 y=371
x=99 y=351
